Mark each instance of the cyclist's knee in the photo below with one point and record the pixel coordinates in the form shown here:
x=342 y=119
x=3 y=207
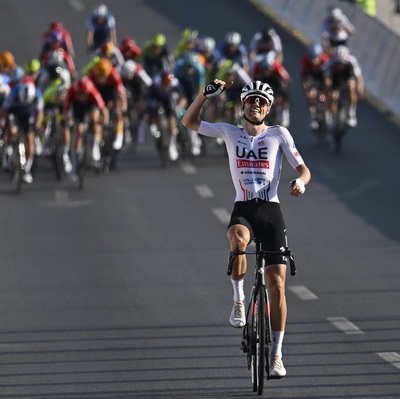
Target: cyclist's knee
x=239 y=237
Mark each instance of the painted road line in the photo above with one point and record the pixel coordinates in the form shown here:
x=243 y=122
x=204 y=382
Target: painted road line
x=222 y=215
x=302 y=292
x=204 y=191
x=188 y=168
x=77 y=5
x=62 y=200
x=345 y=325
x=391 y=357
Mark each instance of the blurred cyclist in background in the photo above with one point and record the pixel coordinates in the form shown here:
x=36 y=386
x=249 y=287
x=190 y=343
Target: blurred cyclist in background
x=336 y=29
x=168 y=93
x=187 y=43
x=57 y=26
x=269 y=70
x=23 y=108
x=129 y=49
x=233 y=49
x=312 y=78
x=265 y=41
x=156 y=55
x=101 y=28
x=109 y=83
x=343 y=72
x=83 y=103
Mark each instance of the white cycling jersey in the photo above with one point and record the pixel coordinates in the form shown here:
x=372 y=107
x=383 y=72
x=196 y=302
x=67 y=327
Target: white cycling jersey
x=255 y=162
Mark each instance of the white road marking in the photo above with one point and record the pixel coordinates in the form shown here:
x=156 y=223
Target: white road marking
x=391 y=357
x=222 y=215
x=77 y=5
x=204 y=191
x=62 y=200
x=188 y=168
x=303 y=292
x=345 y=325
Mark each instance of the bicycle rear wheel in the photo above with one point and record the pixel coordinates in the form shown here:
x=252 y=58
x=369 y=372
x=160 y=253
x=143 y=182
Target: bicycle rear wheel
x=258 y=342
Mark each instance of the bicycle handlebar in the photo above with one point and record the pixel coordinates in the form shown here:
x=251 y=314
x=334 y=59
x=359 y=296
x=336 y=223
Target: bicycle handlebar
x=286 y=251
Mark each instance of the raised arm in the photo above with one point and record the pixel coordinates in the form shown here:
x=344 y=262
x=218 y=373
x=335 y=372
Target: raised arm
x=191 y=118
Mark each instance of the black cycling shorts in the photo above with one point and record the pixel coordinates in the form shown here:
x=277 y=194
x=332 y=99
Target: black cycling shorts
x=263 y=219
x=81 y=109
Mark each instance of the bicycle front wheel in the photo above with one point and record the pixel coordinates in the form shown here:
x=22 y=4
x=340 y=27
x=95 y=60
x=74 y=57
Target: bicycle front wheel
x=258 y=344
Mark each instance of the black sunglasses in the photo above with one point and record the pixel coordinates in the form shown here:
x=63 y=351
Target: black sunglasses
x=261 y=101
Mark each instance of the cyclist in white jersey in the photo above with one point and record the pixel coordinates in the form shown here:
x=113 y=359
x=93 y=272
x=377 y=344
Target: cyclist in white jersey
x=255 y=158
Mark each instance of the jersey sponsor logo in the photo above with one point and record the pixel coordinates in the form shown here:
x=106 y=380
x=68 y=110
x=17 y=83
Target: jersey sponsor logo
x=252 y=172
x=242 y=163
x=255 y=180
x=260 y=153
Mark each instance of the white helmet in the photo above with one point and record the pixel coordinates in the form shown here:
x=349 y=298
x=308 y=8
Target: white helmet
x=256 y=87
x=128 y=69
x=206 y=44
x=26 y=93
x=233 y=38
x=100 y=10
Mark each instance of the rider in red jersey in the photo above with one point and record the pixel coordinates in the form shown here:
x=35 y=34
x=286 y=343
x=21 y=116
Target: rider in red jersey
x=129 y=49
x=109 y=83
x=82 y=100
x=57 y=26
x=312 y=78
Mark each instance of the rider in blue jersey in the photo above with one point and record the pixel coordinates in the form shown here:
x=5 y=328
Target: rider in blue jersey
x=101 y=28
x=23 y=108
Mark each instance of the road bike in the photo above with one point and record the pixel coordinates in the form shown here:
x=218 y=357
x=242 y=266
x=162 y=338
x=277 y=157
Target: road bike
x=321 y=117
x=340 y=122
x=84 y=156
x=257 y=332
x=53 y=141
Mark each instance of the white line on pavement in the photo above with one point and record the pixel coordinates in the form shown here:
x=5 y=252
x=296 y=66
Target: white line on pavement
x=77 y=5
x=204 y=191
x=222 y=215
x=188 y=168
x=345 y=325
x=391 y=357
x=303 y=292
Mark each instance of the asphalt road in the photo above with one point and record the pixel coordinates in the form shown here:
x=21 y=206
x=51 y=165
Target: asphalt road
x=120 y=290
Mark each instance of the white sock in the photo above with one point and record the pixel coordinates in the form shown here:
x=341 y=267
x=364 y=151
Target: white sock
x=238 y=289
x=277 y=337
x=28 y=165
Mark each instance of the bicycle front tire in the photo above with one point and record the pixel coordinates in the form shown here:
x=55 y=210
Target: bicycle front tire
x=258 y=342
